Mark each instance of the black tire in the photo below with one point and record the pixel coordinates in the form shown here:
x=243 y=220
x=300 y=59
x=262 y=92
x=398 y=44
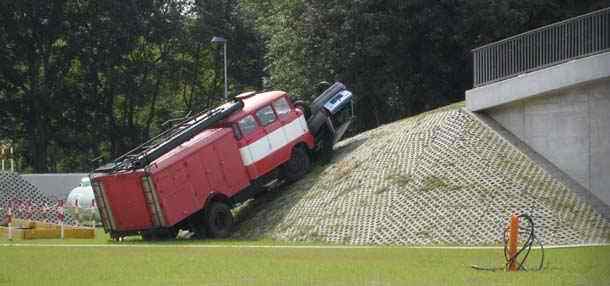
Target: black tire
x=169 y=234
x=148 y=236
x=161 y=234
x=199 y=230
x=325 y=146
x=115 y=236
x=297 y=166
x=218 y=220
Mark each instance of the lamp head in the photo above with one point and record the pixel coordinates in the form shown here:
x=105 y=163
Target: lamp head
x=218 y=40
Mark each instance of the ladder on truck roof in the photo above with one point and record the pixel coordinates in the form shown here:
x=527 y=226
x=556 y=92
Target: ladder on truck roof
x=159 y=145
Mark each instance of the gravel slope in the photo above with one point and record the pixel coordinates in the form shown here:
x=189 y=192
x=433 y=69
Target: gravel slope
x=441 y=177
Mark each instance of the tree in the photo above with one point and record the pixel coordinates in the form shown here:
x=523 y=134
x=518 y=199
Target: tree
x=35 y=62
x=79 y=79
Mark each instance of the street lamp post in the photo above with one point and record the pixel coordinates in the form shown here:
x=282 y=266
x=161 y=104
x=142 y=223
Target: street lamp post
x=222 y=40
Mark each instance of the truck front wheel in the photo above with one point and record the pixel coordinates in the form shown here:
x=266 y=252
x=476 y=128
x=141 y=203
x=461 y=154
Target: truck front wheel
x=325 y=146
x=297 y=166
x=218 y=220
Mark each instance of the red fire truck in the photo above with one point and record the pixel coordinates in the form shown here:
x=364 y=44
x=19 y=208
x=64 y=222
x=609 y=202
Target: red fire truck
x=190 y=176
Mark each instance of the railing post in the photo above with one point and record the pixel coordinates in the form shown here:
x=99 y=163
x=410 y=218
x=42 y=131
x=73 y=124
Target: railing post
x=475 y=66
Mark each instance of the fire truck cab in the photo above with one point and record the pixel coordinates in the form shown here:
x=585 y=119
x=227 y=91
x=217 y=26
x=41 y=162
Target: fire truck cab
x=269 y=131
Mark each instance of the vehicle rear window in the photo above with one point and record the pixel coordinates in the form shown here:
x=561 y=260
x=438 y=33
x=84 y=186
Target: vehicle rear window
x=247 y=125
x=281 y=107
x=265 y=115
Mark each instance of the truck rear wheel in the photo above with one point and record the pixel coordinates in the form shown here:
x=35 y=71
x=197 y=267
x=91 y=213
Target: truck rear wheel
x=159 y=234
x=297 y=166
x=218 y=220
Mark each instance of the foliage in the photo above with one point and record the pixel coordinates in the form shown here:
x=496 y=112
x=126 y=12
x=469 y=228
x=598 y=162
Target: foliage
x=79 y=79
x=84 y=78
x=399 y=57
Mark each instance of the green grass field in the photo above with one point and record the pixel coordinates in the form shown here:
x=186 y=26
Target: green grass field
x=188 y=263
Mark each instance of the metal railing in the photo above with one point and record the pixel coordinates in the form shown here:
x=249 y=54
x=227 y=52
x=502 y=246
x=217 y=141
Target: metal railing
x=573 y=38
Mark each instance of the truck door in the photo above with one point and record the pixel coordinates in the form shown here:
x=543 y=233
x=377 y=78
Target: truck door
x=251 y=150
x=274 y=138
x=293 y=123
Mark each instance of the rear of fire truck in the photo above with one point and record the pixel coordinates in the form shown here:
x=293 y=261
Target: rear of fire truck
x=124 y=189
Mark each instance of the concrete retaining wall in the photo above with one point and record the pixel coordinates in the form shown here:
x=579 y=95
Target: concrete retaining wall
x=570 y=128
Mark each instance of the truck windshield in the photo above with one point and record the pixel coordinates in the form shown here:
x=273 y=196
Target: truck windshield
x=281 y=107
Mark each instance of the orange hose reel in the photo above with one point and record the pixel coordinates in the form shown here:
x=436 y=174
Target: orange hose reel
x=513 y=239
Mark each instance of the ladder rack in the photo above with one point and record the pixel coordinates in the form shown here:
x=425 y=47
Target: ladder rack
x=159 y=145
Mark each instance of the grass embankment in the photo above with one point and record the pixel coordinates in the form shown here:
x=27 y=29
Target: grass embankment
x=185 y=263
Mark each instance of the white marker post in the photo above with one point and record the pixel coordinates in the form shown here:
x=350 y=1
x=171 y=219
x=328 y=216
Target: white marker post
x=9 y=215
x=45 y=210
x=60 y=210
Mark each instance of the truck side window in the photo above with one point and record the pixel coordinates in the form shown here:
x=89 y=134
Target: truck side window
x=247 y=125
x=265 y=115
x=281 y=107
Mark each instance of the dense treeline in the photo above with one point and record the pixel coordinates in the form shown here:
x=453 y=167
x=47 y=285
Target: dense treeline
x=79 y=79
x=399 y=57
x=84 y=78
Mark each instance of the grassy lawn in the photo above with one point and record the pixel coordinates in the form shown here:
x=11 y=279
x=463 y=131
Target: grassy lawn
x=45 y=265
x=103 y=238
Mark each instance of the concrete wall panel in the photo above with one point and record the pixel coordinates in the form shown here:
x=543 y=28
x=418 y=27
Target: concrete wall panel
x=599 y=103
x=511 y=115
x=570 y=128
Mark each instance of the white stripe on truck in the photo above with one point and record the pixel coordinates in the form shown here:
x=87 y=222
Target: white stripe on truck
x=273 y=141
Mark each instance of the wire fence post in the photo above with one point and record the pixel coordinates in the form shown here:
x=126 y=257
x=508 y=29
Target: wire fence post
x=60 y=210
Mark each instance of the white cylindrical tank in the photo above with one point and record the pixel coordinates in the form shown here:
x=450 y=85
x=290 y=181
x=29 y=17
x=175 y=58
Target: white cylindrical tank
x=83 y=193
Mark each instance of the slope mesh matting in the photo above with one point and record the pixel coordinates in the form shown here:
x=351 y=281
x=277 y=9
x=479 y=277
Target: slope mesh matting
x=438 y=178
x=26 y=201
